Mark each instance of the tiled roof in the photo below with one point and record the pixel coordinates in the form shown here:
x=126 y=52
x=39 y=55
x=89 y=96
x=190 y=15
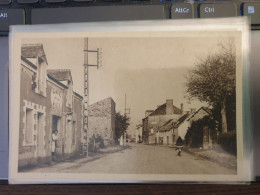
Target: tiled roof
x=166 y=126
x=32 y=50
x=161 y=110
x=207 y=110
x=173 y=123
x=60 y=74
x=181 y=120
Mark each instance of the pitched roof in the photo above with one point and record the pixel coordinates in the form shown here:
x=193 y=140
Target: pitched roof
x=33 y=51
x=181 y=120
x=60 y=74
x=173 y=123
x=161 y=110
x=207 y=110
x=29 y=62
x=166 y=126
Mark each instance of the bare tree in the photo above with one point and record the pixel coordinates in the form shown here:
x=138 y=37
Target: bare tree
x=213 y=79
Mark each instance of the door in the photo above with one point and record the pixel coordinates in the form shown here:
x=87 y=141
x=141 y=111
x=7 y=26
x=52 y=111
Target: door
x=40 y=135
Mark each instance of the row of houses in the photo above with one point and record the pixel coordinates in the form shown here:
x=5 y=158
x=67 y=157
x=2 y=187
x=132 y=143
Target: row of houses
x=48 y=103
x=167 y=123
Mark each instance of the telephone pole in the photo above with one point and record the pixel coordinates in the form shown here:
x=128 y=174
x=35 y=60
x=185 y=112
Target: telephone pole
x=127 y=112
x=86 y=90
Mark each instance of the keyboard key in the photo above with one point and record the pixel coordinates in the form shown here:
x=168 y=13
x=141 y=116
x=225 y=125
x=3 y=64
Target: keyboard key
x=112 y=0
x=99 y=13
x=27 y=1
x=11 y=17
x=252 y=10
x=83 y=1
x=217 y=10
x=181 y=11
x=5 y=2
x=55 y=1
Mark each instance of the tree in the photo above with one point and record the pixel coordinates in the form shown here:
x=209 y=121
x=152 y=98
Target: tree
x=121 y=124
x=213 y=79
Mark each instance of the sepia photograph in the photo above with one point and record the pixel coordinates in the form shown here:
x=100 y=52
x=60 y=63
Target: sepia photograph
x=130 y=106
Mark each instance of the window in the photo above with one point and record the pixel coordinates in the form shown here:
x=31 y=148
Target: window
x=41 y=77
x=73 y=132
x=69 y=94
x=29 y=126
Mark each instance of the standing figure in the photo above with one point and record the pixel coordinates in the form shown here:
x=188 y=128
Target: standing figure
x=54 y=144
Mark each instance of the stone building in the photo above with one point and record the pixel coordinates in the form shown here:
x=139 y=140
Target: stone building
x=173 y=129
x=178 y=128
x=47 y=103
x=102 y=121
x=157 y=118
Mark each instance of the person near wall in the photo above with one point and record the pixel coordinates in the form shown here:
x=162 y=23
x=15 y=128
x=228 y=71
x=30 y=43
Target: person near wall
x=54 y=144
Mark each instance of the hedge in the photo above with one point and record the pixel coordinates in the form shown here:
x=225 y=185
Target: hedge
x=228 y=142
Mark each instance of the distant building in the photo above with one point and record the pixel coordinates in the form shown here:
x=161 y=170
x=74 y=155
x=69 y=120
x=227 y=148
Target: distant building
x=47 y=103
x=173 y=129
x=179 y=128
x=157 y=118
x=102 y=121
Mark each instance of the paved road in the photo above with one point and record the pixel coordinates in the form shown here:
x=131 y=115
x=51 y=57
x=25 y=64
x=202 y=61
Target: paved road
x=140 y=159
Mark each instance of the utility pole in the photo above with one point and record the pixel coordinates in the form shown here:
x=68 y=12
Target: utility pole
x=127 y=112
x=86 y=89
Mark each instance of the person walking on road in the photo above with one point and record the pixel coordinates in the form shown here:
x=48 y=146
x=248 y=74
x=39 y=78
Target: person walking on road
x=179 y=145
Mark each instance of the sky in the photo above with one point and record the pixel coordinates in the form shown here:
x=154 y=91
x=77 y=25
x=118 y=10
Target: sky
x=147 y=70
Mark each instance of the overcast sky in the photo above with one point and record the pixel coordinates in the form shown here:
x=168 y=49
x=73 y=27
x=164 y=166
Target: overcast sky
x=147 y=70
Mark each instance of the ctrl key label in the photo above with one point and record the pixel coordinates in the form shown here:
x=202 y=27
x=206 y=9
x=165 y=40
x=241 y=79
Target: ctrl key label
x=11 y=17
x=181 y=11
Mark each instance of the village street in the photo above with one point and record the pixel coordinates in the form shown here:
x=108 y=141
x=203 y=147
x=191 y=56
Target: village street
x=139 y=159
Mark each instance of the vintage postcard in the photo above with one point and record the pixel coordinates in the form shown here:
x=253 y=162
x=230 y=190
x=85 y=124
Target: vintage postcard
x=149 y=102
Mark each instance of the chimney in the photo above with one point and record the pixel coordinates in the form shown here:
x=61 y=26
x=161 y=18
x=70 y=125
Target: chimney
x=181 y=108
x=169 y=107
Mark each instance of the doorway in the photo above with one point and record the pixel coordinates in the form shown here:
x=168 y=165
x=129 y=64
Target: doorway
x=40 y=135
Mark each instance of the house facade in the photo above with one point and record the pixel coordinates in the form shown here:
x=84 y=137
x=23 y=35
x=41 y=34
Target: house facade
x=102 y=121
x=178 y=128
x=47 y=103
x=156 y=119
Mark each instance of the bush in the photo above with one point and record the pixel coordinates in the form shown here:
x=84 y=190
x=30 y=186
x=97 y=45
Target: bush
x=228 y=142
x=194 y=135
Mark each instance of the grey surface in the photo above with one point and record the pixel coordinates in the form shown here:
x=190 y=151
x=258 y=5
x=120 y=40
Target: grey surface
x=99 y=13
x=4 y=108
x=255 y=86
x=217 y=10
x=4 y=2
x=11 y=17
